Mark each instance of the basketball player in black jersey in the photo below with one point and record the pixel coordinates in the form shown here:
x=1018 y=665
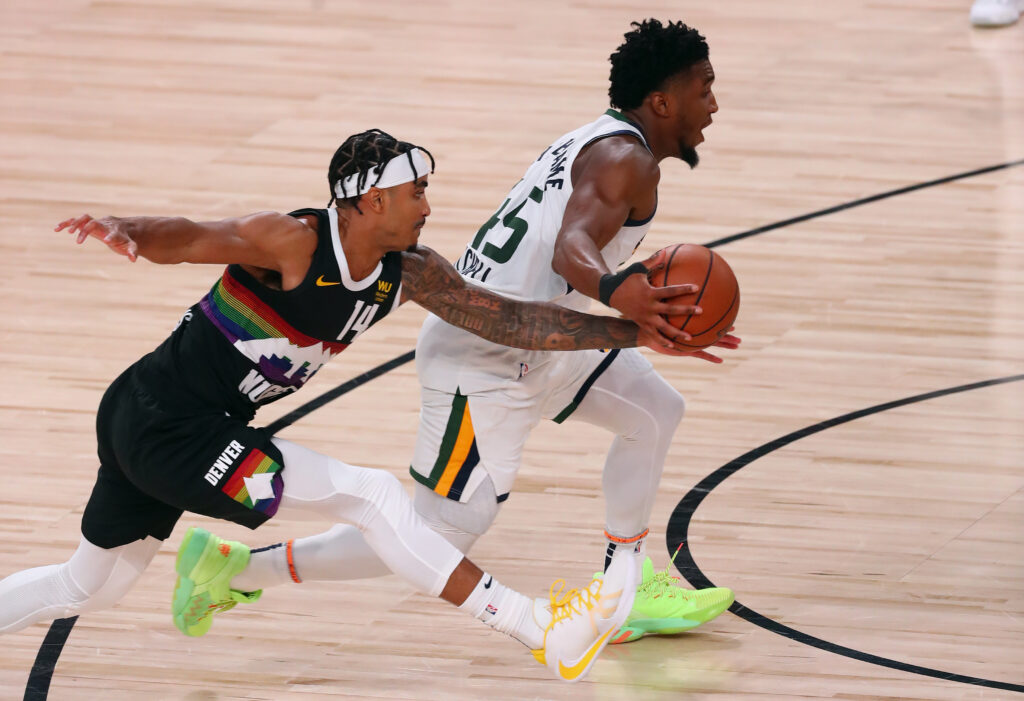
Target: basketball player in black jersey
x=173 y=431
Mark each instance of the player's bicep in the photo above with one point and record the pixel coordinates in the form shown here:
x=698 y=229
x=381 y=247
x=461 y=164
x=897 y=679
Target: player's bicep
x=265 y=240
x=596 y=209
x=427 y=278
x=610 y=179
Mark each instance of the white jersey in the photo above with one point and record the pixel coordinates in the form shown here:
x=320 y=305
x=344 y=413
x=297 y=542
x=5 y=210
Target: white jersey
x=511 y=254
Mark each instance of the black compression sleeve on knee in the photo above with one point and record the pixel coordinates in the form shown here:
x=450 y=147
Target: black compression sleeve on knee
x=610 y=282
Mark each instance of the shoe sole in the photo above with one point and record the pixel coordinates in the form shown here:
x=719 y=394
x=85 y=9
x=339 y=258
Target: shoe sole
x=641 y=627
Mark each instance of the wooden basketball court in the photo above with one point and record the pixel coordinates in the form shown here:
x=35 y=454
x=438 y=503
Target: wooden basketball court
x=875 y=557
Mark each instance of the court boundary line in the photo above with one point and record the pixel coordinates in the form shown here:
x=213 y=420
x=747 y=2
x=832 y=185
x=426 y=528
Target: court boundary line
x=49 y=650
x=679 y=523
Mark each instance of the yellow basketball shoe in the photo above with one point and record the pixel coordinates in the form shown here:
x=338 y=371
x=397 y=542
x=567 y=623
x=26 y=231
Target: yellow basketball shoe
x=663 y=607
x=206 y=565
x=583 y=620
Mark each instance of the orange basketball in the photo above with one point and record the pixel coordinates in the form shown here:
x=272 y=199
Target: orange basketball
x=718 y=296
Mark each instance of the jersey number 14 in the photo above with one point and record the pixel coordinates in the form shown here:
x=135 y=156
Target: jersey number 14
x=359 y=321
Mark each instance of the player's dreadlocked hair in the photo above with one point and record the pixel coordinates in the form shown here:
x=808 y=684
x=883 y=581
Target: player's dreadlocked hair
x=651 y=54
x=367 y=154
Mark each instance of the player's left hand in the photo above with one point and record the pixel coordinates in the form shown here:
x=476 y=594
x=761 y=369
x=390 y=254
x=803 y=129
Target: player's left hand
x=727 y=341
x=108 y=230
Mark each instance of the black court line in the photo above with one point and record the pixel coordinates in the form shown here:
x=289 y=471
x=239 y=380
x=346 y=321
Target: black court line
x=344 y=388
x=38 y=685
x=679 y=524
x=42 y=673
x=863 y=200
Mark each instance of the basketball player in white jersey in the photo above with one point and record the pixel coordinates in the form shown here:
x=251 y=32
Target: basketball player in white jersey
x=578 y=214
x=173 y=430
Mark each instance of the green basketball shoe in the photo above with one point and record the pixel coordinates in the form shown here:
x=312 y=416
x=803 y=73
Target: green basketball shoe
x=663 y=607
x=205 y=565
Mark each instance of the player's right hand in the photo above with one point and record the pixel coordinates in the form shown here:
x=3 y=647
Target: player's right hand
x=108 y=230
x=647 y=306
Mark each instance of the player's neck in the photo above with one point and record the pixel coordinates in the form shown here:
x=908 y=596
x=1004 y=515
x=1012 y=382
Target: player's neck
x=359 y=244
x=661 y=148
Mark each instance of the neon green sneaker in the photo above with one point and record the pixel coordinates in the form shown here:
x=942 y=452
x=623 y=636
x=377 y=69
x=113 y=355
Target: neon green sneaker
x=663 y=607
x=205 y=566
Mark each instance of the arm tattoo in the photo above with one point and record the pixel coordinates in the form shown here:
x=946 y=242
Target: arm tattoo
x=430 y=281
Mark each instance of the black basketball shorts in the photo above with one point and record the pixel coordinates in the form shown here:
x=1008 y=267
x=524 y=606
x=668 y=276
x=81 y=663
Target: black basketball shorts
x=157 y=461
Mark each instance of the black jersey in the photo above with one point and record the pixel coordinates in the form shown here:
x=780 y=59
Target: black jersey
x=245 y=344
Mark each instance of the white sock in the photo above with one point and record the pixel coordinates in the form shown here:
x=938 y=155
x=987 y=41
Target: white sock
x=507 y=611
x=332 y=556
x=268 y=567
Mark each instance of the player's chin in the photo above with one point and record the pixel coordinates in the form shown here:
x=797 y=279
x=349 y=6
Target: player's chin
x=688 y=154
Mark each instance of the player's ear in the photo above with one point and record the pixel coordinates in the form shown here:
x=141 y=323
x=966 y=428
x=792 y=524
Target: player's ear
x=659 y=103
x=375 y=199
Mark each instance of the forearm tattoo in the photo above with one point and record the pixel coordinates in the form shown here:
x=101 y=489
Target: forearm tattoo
x=430 y=281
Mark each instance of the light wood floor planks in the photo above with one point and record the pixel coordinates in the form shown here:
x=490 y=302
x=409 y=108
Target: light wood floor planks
x=897 y=535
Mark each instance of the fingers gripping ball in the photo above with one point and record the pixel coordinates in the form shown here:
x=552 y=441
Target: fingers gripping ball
x=718 y=296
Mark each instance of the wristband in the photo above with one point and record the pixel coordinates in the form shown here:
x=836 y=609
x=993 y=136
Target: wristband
x=610 y=282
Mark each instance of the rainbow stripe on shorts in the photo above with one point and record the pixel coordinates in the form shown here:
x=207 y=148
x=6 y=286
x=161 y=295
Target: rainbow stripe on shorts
x=249 y=474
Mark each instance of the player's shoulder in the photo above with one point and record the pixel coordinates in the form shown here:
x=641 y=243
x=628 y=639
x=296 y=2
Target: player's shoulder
x=621 y=157
x=260 y=222
x=419 y=257
x=277 y=231
x=426 y=272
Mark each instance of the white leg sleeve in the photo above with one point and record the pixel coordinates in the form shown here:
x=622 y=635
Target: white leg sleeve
x=342 y=552
x=643 y=410
x=374 y=502
x=94 y=578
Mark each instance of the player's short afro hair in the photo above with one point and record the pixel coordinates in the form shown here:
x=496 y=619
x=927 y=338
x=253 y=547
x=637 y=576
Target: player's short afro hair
x=651 y=54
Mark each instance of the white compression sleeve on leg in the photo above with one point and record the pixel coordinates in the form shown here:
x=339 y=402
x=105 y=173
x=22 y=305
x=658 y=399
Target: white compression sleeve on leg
x=375 y=502
x=643 y=410
x=94 y=578
x=335 y=555
x=342 y=552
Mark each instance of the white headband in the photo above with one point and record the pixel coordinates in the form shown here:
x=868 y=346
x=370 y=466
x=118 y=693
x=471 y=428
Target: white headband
x=396 y=172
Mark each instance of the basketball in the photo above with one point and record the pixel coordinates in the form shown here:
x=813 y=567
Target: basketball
x=718 y=296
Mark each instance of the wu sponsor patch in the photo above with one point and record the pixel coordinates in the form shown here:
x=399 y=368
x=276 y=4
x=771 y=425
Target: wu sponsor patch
x=256 y=483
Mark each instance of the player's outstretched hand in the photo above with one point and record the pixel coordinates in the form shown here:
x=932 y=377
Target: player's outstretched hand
x=108 y=230
x=647 y=306
x=728 y=341
x=656 y=344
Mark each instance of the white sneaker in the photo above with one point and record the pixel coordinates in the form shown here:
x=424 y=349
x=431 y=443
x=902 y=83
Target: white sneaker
x=582 y=620
x=995 y=13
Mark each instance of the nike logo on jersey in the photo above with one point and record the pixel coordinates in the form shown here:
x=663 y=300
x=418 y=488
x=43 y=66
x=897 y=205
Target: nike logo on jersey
x=488 y=584
x=320 y=282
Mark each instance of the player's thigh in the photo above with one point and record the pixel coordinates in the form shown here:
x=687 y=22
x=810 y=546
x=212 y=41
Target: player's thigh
x=214 y=465
x=629 y=396
x=463 y=439
x=570 y=379
x=119 y=513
